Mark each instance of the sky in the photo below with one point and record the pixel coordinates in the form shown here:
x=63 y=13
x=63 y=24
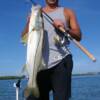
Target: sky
x=13 y=16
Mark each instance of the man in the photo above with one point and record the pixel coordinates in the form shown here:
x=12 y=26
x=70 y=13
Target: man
x=58 y=58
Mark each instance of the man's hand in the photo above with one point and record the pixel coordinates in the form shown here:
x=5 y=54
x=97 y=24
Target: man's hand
x=58 y=23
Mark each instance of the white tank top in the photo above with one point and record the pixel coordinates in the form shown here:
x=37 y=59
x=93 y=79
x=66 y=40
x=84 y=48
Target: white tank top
x=54 y=50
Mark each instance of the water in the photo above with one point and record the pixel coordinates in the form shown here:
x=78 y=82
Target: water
x=83 y=88
x=86 y=88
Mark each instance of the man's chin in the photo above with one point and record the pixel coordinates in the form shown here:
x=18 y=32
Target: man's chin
x=51 y=2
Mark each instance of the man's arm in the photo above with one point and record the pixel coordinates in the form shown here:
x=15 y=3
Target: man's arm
x=73 y=24
x=26 y=29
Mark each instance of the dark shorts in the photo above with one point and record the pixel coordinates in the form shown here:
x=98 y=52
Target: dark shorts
x=57 y=79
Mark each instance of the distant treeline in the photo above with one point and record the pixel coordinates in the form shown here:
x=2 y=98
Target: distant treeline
x=11 y=77
x=89 y=73
x=21 y=77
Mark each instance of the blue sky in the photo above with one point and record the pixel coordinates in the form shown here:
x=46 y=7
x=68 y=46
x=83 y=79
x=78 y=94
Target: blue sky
x=13 y=15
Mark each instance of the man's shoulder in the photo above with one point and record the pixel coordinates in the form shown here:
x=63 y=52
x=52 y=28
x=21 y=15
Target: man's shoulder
x=69 y=11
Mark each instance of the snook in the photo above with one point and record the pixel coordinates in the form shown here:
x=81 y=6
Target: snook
x=34 y=60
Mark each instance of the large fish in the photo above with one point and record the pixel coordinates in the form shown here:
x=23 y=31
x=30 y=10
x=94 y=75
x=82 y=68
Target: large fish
x=34 y=59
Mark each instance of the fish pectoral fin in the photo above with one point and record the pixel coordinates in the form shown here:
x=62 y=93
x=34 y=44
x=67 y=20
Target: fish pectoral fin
x=24 y=39
x=33 y=29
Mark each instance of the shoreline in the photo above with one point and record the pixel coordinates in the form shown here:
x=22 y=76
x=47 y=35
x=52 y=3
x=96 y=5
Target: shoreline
x=11 y=77
x=22 y=77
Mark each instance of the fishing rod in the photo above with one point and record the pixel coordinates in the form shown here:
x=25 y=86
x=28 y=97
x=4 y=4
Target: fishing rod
x=66 y=34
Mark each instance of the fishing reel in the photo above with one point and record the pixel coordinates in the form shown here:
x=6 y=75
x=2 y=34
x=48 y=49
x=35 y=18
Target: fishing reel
x=60 y=39
x=17 y=84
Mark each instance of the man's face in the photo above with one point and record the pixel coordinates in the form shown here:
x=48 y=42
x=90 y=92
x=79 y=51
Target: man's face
x=51 y=2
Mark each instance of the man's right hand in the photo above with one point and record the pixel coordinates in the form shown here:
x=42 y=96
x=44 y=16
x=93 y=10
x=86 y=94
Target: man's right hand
x=58 y=23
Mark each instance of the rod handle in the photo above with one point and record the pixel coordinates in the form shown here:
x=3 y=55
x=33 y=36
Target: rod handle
x=80 y=46
x=85 y=50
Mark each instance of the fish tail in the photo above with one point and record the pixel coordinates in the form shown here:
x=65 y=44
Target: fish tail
x=31 y=92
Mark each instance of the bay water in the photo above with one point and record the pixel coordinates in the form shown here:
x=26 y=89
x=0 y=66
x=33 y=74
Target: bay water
x=83 y=88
